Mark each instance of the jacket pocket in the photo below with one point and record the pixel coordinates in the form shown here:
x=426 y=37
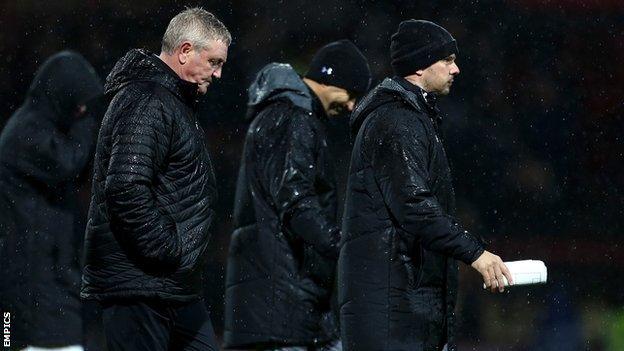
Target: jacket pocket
x=411 y=256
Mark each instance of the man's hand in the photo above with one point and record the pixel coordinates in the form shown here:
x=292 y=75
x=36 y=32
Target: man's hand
x=492 y=269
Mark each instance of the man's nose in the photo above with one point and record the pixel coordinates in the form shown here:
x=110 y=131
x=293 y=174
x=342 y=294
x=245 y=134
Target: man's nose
x=217 y=73
x=454 y=69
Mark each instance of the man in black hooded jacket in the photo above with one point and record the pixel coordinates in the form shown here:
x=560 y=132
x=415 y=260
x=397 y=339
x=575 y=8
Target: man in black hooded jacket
x=154 y=191
x=44 y=147
x=282 y=256
x=397 y=273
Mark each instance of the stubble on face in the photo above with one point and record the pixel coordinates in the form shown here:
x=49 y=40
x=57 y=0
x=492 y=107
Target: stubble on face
x=440 y=75
x=437 y=80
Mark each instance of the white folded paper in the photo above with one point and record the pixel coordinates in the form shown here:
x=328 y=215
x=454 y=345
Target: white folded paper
x=526 y=272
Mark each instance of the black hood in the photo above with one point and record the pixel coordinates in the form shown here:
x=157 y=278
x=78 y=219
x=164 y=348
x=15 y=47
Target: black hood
x=65 y=81
x=278 y=81
x=387 y=91
x=139 y=65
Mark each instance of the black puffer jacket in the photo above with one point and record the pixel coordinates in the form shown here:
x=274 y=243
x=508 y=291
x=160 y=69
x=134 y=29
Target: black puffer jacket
x=43 y=149
x=153 y=188
x=282 y=255
x=397 y=274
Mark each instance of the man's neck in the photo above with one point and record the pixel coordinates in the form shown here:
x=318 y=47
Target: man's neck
x=316 y=89
x=170 y=61
x=428 y=98
x=416 y=81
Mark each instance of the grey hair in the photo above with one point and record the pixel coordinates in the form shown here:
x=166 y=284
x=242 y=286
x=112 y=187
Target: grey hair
x=195 y=25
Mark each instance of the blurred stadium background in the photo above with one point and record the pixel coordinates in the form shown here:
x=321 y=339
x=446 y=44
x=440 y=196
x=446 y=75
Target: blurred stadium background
x=533 y=125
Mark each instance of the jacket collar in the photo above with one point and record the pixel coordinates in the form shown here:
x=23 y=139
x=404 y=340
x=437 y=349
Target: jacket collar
x=428 y=100
x=181 y=88
x=141 y=65
x=393 y=89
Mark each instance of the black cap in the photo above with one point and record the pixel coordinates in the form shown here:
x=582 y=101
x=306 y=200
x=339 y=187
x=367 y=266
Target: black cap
x=418 y=44
x=341 y=64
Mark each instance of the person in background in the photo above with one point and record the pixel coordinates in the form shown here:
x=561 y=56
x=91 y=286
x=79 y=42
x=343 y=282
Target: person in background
x=282 y=256
x=154 y=190
x=397 y=273
x=44 y=148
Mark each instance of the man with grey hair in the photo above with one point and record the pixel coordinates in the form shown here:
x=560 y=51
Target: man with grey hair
x=154 y=192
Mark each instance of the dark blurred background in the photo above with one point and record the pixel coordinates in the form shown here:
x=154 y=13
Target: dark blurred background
x=533 y=126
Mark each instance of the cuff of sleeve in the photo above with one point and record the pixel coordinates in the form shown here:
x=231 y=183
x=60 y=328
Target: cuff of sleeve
x=475 y=255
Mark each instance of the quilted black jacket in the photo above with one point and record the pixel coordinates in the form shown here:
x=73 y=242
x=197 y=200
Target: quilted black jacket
x=153 y=194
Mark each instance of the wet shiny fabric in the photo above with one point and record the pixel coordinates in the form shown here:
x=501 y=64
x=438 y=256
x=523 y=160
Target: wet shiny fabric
x=397 y=272
x=282 y=255
x=152 y=203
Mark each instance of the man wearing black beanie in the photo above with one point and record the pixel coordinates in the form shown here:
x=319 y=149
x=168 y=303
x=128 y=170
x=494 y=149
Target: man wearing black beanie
x=283 y=252
x=397 y=272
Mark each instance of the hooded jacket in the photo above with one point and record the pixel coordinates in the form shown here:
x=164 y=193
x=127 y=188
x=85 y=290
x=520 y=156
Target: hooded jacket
x=152 y=203
x=397 y=273
x=44 y=147
x=283 y=251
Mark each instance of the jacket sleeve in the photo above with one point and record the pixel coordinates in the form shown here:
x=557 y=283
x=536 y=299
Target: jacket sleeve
x=140 y=140
x=400 y=164
x=296 y=197
x=51 y=156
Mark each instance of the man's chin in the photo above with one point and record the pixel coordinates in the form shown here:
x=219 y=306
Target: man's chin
x=445 y=91
x=333 y=113
x=202 y=89
x=336 y=110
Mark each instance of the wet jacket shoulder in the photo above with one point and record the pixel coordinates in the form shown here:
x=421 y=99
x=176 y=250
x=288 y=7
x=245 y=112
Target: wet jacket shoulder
x=285 y=215
x=153 y=187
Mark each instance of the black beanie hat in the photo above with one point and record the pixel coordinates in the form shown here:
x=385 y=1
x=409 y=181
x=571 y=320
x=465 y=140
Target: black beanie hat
x=418 y=44
x=341 y=64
